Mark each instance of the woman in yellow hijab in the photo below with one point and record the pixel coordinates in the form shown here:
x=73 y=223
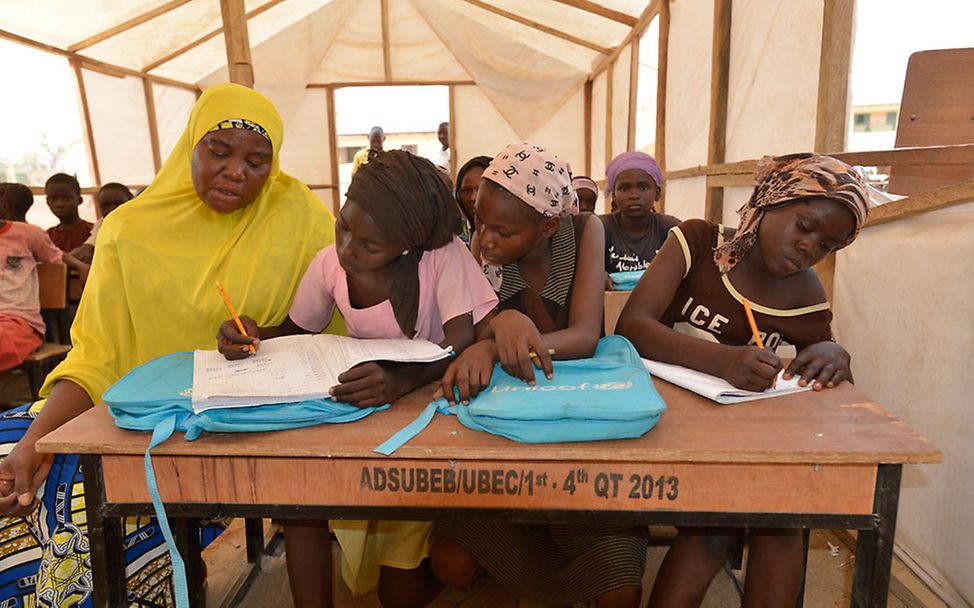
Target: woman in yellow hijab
x=220 y=208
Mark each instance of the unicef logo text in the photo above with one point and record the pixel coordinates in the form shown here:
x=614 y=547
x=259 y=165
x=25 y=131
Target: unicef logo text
x=584 y=386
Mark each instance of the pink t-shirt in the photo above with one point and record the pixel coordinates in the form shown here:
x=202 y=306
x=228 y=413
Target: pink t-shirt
x=22 y=246
x=450 y=284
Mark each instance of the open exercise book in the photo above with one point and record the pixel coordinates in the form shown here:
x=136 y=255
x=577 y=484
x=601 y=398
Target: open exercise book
x=718 y=389
x=295 y=368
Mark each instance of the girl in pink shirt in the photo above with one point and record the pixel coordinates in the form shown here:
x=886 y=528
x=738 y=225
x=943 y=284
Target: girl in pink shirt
x=396 y=270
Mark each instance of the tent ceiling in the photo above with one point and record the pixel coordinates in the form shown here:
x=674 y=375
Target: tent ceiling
x=528 y=54
x=180 y=39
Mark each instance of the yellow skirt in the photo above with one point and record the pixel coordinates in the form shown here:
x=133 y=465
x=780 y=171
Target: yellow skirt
x=367 y=545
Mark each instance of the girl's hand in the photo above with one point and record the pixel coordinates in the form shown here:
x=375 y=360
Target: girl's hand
x=232 y=344
x=21 y=473
x=750 y=368
x=469 y=373
x=516 y=337
x=371 y=384
x=826 y=364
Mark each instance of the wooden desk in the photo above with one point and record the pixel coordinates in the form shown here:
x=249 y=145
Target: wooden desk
x=811 y=460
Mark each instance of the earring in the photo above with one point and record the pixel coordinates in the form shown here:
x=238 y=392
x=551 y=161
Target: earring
x=404 y=252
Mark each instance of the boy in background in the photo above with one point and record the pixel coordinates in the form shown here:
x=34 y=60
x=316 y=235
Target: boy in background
x=110 y=196
x=22 y=247
x=63 y=197
x=15 y=200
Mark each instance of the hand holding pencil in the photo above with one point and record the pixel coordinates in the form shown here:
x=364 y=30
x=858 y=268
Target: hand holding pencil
x=238 y=337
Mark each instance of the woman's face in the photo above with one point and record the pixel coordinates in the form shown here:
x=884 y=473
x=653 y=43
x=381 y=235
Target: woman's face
x=507 y=228
x=230 y=168
x=469 y=187
x=635 y=193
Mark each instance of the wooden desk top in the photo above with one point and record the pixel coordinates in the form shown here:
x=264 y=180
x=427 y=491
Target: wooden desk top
x=839 y=425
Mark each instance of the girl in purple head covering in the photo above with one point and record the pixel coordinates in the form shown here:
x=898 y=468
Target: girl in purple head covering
x=634 y=231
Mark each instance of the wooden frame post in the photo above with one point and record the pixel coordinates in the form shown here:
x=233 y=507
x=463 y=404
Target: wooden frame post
x=150 y=114
x=633 y=93
x=719 y=81
x=588 y=127
x=336 y=195
x=609 y=72
x=832 y=113
x=454 y=160
x=386 y=45
x=831 y=117
x=89 y=133
x=664 y=54
x=235 y=35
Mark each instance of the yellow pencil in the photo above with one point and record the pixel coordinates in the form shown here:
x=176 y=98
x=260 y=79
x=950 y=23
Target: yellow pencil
x=753 y=324
x=233 y=312
x=754 y=330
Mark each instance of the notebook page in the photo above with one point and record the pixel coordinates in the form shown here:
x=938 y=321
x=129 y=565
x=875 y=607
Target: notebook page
x=718 y=389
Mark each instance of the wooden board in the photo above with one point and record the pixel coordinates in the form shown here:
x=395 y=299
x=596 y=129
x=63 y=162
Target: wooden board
x=839 y=425
x=615 y=301
x=605 y=486
x=936 y=110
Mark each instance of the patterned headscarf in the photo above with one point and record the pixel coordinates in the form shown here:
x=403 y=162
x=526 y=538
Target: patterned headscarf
x=583 y=182
x=632 y=160
x=242 y=123
x=536 y=177
x=786 y=179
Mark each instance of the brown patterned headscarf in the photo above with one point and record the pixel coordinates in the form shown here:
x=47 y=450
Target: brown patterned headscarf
x=786 y=179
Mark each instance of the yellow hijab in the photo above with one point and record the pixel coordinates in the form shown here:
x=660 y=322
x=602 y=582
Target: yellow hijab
x=151 y=288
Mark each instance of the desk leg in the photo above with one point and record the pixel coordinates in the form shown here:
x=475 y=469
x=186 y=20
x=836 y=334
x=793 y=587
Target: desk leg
x=104 y=540
x=874 y=548
x=806 y=533
x=254 y=532
x=187 y=537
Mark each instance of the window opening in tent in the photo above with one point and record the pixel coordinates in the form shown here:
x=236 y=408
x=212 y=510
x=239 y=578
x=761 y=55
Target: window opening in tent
x=409 y=115
x=886 y=35
x=42 y=125
x=646 y=89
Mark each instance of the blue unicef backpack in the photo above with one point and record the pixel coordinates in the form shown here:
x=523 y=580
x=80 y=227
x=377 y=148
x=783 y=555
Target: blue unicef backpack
x=156 y=396
x=609 y=396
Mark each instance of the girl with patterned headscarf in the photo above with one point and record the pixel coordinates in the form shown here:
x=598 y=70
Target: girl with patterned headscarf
x=544 y=260
x=687 y=310
x=396 y=270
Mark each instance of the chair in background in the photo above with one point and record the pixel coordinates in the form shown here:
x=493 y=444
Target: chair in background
x=53 y=285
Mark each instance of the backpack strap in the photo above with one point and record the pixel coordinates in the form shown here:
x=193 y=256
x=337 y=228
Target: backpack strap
x=162 y=432
x=412 y=429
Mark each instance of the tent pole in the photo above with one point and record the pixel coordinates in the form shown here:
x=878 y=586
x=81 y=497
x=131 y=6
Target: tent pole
x=127 y=25
x=664 y=48
x=608 y=113
x=89 y=134
x=832 y=112
x=633 y=94
x=602 y=11
x=333 y=144
x=588 y=127
x=719 y=80
x=237 y=41
x=386 y=46
x=150 y=113
x=538 y=26
x=452 y=133
x=637 y=30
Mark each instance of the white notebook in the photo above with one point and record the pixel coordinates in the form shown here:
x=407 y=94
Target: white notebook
x=295 y=368
x=718 y=389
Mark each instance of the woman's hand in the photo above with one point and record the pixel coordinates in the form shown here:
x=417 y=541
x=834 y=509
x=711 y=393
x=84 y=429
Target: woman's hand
x=371 y=384
x=21 y=473
x=234 y=345
x=517 y=337
x=469 y=373
x=825 y=364
x=749 y=367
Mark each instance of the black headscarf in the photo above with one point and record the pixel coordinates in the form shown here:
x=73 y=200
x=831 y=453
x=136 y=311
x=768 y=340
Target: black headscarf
x=407 y=197
x=476 y=161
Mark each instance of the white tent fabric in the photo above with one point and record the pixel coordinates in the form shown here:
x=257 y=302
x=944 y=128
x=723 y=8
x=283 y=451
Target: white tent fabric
x=905 y=318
